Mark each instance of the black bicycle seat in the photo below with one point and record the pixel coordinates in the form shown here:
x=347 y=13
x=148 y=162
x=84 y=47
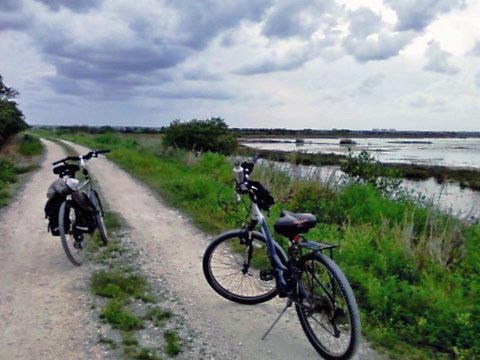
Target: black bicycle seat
x=290 y=224
x=66 y=169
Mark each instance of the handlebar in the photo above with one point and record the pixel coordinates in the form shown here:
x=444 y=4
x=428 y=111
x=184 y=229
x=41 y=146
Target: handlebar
x=87 y=156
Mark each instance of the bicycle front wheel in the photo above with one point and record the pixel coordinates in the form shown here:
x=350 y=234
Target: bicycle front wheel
x=239 y=269
x=99 y=217
x=327 y=308
x=75 y=247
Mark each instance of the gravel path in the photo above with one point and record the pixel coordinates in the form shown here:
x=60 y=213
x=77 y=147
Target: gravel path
x=43 y=298
x=172 y=250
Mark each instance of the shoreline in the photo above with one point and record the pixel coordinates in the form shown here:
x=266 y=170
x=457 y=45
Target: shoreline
x=465 y=177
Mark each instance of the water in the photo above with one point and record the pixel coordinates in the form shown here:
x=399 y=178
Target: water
x=463 y=203
x=454 y=153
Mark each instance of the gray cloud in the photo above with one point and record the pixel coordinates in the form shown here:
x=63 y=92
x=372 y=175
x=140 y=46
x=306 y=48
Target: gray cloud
x=437 y=60
x=12 y=16
x=189 y=92
x=371 y=39
x=298 y=18
x=10 y=5
x=271 y=64
x=371 y=82
x=418 y=14
x=75 y=5
x=364 y=22
x=200 y=73
x=139 y=43
x=383 y=46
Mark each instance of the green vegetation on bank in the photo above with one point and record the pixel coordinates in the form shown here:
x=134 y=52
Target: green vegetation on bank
x=415 y=271
x=17 y=157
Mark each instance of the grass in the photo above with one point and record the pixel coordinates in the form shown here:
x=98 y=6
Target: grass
x=17 y=157
x=116 y=315
x=173 y=347
x=121 y=285
x=158 y=316
x=30 y=145
x=415 y=271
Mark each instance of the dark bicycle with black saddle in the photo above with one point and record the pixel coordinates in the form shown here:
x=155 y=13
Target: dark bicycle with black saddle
x=74 y=209
x=249 y=267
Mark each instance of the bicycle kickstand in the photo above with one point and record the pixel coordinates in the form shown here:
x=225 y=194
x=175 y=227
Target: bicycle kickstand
x=289 y=303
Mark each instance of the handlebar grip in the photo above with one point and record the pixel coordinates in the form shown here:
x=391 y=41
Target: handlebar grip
x=74 y=158
x=102 y=151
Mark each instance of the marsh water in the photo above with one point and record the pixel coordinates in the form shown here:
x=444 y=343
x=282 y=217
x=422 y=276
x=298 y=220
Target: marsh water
x=451 y=152
x=454 y=153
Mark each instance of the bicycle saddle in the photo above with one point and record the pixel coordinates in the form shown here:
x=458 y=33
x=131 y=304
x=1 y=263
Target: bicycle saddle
x=66 y=169
x=290 y=224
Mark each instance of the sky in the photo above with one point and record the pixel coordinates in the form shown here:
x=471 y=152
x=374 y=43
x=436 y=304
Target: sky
x=322 y=64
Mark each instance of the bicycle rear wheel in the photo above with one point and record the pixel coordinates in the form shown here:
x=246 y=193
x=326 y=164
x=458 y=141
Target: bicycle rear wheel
x=95 y=199
x=327 y=308
x=239 y=269
x=75 y=247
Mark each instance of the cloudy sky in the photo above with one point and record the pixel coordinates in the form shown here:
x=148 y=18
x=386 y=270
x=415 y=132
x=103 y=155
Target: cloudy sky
x=359 y=64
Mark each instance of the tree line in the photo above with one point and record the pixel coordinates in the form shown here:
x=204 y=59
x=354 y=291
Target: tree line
x=11 y=117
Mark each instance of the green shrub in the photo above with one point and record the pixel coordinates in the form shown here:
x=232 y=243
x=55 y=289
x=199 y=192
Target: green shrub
x=30 y=145
x=201 y=135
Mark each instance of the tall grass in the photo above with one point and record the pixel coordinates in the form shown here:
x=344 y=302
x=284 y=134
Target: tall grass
x=16 y=158
x=414 y=270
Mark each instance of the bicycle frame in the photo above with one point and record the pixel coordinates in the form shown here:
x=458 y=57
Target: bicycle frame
x=279 y=268
x=86 y=183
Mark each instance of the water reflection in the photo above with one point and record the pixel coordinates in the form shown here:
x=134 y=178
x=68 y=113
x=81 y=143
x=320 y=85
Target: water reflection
x=449 y=197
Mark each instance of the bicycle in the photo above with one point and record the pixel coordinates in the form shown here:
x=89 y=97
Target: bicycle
x=249 y=267
x=79 y=208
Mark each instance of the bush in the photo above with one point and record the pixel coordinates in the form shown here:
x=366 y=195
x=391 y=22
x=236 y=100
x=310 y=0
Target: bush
x=11 y=117
x=30 y=145
x=202 y=135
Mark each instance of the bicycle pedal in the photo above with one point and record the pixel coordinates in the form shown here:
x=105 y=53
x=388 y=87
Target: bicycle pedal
x=78 y=245
x=266 y=275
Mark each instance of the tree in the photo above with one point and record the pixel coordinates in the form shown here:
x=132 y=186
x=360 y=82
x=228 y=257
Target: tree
x=11 y=117
x=203 y=135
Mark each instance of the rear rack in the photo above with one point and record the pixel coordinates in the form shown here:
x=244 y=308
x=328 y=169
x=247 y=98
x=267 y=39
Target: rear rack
x=316 y=246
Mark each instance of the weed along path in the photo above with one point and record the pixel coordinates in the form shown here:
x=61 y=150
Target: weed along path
x=43 y=298
x=172 y=249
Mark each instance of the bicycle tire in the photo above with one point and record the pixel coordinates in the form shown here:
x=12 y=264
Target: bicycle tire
x=322 y=306
x=102 y=230
x=75 y=255
x=267 y=291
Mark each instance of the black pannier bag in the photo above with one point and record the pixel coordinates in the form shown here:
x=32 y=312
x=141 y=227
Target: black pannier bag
x=52 y=209
x=84 y=213
x=56 y=195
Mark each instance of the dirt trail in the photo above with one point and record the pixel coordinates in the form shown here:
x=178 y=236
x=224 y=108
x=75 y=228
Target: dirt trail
x=43 y=298
x=172 y=250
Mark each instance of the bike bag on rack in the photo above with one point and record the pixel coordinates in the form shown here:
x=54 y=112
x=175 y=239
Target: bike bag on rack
x=56 y=195
x=85 y=211
x=261 y=195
